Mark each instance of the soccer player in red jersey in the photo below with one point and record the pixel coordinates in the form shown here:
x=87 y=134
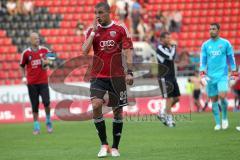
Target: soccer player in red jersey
x=109 y=41
x=34 y=72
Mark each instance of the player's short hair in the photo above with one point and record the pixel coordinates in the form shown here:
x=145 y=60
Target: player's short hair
x=104 y=5
x=216 y=24
x=164 y=34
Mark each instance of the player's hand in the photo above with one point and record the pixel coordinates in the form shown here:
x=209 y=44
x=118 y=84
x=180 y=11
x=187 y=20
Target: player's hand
x=24 y=80
x=95 y=23
x=45 y=62
x=129 y=79
x=204 y=78
x=234 y=75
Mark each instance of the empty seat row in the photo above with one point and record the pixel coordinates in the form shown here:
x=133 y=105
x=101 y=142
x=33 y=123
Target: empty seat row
x=64 y=39
x=76 y=9
x=57 y=32
x=8 y=49
x=209 y=19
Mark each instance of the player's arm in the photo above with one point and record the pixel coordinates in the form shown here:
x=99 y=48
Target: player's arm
x=22 y=64
x=230 y=57
x=128 y=59
x=231 y=61
x=24 y=79
x=89 y=39
x=203 y=66
x=128 y=53
x=203 y=59
x=88 y=43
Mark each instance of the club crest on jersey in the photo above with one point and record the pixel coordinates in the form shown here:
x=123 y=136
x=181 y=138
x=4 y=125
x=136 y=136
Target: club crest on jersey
x=30 y=58
x=113 y=33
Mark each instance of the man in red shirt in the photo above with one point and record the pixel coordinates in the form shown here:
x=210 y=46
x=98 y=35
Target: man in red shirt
x=109 y=41
x=34 y=62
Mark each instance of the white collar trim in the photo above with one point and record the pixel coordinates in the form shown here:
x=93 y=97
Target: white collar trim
x=110 y=25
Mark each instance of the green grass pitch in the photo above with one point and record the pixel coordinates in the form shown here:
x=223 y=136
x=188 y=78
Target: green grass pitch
x=142 y=139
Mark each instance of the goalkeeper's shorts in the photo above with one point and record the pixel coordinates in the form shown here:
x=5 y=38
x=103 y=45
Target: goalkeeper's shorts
x=213 y=89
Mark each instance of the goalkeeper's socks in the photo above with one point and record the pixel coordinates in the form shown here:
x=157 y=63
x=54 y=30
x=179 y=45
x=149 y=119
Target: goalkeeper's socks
x=48 y=119
x=215 y=111
x=117 y=132
x=36 y=126
x=224 y=105
x=101 y=129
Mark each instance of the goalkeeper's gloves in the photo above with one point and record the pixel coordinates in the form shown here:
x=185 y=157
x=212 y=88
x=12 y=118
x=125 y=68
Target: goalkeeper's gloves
x=204 y=78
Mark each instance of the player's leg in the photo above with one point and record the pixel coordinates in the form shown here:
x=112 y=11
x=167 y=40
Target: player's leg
x=44 y=92
x=99 y=123
x=34 y=99
x=168 y=112
x=196 y=96
x=215 y=111
x=173 y=95
x=213 y=95
x=117 y=129
x=117 y=100
x=175 y=100
x=222 y=89
x=97 y=92
x=163 y=89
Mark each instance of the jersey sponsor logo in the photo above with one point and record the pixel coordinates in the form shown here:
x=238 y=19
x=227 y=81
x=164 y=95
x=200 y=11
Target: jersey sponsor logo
x=108 y=43
x=113 y=33
x=36 y=62
x=215 y=53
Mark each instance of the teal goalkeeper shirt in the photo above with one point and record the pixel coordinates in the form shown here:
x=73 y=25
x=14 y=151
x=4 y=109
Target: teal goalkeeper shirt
x=215 y=57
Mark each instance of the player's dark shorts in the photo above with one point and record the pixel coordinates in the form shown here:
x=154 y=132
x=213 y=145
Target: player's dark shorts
x=116 y=88
x=196 y=94
x=36 y=90
x=169 y=87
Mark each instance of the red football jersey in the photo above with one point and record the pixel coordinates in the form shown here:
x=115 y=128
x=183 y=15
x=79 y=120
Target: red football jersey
x=35 y=73
x=108 y=43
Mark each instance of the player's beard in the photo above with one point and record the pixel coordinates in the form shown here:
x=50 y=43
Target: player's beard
x=214 y=36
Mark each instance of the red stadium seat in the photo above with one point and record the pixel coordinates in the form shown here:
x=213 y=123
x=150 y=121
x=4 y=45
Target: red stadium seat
x=62 y=9
x=70 y=39
x=7 y=82
x=56 y=3
x=77 y=39
x=45 y=32
x=65 y=24
x=2 y=33
x=54 y=9
x=6 y=66
x=51 y=40
x=79 y=9
x=17 y=81
x=68 y=17
x=65 y=2
x=70 y=10
x=39 y=3
x=3 y=49
x=73 y=2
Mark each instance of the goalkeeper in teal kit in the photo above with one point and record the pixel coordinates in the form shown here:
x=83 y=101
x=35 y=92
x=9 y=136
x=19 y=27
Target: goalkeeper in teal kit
x=216 y=54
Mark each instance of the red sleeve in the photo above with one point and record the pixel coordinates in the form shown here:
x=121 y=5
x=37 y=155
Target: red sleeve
x=24 y=59
x=87 y=33
x=126 y=39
